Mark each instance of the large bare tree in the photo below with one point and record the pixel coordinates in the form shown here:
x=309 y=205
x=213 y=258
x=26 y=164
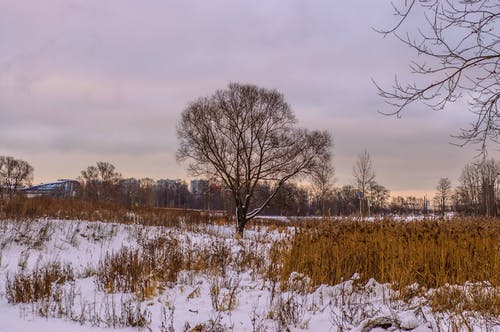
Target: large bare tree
x=246 y=135
x=458 y=51
x=14 y=174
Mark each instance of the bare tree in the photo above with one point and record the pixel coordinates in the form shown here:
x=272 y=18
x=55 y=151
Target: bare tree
x=287 y=201
x=443 y=194
x=490 y=170
x=100 y=181
x=477 y=189
x=345 y=199
x=459 y=53
x=363 y=172
x=14 y=174
x=379 y=195
x=364 y=177
x=469 y=189
x=322 y=180
x=246 y=135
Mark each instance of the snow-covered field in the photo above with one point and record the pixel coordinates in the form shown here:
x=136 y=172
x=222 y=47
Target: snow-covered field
x=235 y=291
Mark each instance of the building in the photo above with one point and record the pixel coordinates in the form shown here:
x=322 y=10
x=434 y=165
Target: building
x=168 y=183
x=59 y=188
x=198 y=187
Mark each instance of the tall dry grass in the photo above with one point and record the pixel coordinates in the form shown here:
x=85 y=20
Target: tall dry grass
x=430 y=252
x=23 y=208
x=20 y=207
x=31 y=287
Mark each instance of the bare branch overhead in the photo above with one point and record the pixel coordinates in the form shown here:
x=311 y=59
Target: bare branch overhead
x=459 y=54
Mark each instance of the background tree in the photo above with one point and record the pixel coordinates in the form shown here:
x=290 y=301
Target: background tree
x=101 y=182
x=244 y=136
x=286 y=201
x=364 y=177
x=477 y=192
x=490 y=170
x=322 y=181
x=379 y=196
x=14 y=174
x=173 y=194
x=398 y=205
x=443 y=194
x=459 y=57
x=346 y=200
x=130 y=192
x=468 y=192
x=136 y=192
x=147 y=191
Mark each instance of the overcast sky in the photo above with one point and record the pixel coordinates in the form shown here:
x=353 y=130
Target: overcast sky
x=94 y=80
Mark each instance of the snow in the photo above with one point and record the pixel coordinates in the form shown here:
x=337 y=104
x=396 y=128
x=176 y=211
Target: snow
x=24 y=245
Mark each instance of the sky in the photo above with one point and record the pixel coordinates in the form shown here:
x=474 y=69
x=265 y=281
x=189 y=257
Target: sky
x=106 y=80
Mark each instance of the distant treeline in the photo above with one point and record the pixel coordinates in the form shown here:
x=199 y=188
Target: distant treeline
x=477 y=193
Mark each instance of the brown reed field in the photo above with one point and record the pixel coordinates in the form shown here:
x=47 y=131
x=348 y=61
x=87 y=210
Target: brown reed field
x=431 y=253
x=20 y=207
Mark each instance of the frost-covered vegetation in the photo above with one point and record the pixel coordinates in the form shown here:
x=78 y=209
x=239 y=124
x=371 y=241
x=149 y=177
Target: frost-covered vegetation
x=423 y=275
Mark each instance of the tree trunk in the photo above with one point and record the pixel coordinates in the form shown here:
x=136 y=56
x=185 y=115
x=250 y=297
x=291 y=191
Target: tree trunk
x=323 y=207
x=239 y=230
x=241 y=220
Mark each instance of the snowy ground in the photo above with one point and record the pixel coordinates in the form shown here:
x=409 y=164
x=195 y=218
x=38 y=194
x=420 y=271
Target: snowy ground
x=244 y=301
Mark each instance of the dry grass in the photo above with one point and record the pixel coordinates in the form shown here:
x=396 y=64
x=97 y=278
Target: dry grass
x=49 y=291
x=431 y=253
x=142 y=270
x=126 y=271
x=480 y=297
x=37 y=285
x=156 y=264
x=21 y=208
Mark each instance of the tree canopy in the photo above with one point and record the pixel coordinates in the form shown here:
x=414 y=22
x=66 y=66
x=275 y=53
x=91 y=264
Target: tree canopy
x=14 y=174
x=246 y=135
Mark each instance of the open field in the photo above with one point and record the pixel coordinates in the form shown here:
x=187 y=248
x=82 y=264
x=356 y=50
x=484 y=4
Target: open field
x=191 y=274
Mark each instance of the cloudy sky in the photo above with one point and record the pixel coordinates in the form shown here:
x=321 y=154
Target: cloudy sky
x=96 y=80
